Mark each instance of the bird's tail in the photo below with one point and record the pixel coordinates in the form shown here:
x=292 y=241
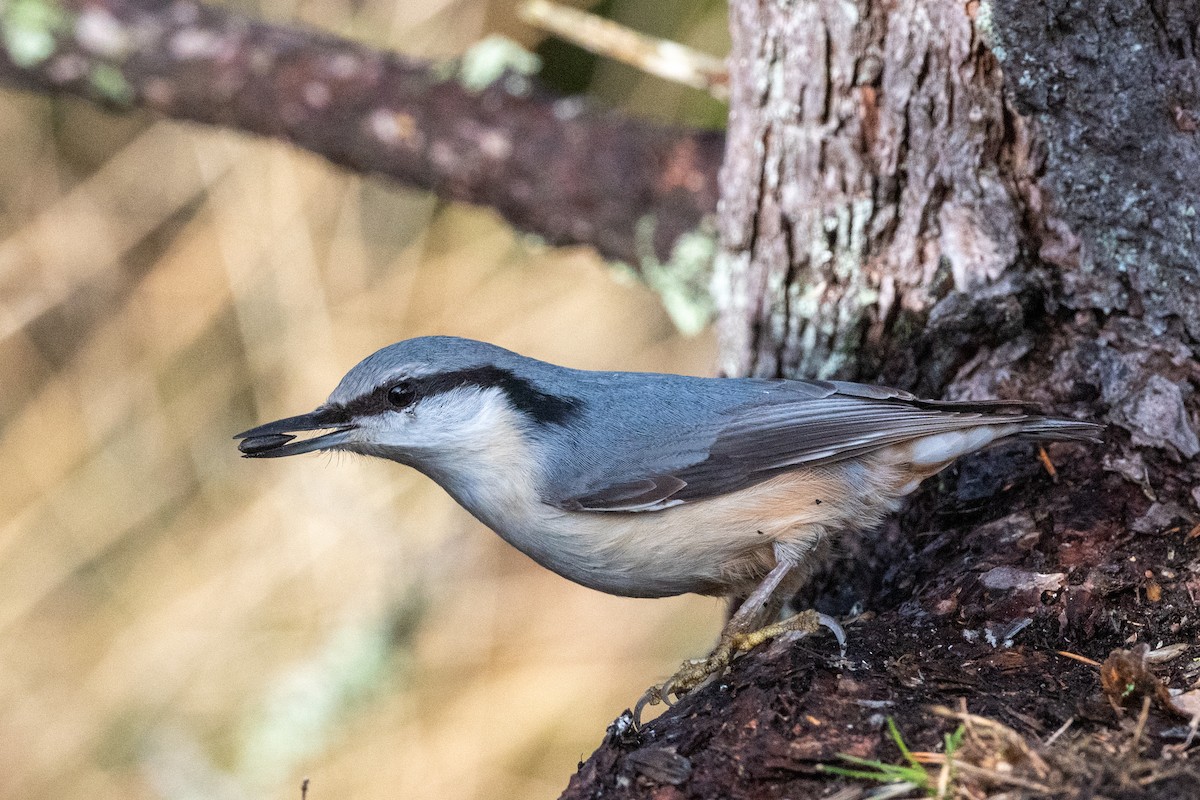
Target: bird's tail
x=1061 y=430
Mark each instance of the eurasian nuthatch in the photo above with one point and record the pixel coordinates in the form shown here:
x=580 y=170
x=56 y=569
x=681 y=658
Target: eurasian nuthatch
x=648 y=485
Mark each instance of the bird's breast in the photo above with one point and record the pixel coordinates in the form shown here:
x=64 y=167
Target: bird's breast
x=721 y=545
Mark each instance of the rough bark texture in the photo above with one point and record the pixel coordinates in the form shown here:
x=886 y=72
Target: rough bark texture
x=552 y=166
x=874 y=170
x=969 y=201
x=1115 y=89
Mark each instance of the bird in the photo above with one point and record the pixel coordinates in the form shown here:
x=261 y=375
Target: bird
x=649 y=484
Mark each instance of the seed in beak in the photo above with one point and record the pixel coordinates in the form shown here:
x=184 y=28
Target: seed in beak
x=259 y=444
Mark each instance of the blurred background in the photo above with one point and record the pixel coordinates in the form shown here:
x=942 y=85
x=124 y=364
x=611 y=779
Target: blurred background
x=177 y=622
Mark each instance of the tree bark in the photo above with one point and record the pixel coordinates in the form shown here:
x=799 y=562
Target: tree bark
x=967 y=200
x=872 y=170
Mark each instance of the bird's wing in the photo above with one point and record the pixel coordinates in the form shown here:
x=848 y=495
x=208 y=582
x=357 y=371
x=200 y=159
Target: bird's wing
x=758 y=440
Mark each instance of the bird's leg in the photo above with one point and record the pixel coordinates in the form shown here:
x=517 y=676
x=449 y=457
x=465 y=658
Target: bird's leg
x=745 y=630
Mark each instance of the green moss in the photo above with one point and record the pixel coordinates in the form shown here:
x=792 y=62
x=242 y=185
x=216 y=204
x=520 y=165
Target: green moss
x=681 y=282
x=484 y=63
x=30 y=28
x=111 y=86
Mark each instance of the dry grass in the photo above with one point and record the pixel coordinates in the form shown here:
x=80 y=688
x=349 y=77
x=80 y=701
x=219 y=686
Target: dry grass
x=178 y=622
x=984 y=759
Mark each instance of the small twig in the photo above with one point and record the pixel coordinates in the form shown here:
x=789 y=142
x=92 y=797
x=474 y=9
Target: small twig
x=1061 y=730
x=1140 y=727
x=1079 y=658
x=848 y=793
x=1001 y=778
x=1048 y=464
x=943 y=783
x=986 y=733
x=939 y=759
x=1193 y=726
x=665 y=59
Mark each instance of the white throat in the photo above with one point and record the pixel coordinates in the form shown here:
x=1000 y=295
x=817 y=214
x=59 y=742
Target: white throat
x=475 y=445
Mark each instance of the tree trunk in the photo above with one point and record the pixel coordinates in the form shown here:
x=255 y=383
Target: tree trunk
x=966 y=200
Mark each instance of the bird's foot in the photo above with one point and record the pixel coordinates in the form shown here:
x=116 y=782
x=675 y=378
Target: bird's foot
x=697 y=672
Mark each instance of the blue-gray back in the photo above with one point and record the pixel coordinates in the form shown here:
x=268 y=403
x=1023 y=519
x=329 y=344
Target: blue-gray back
x=624 y=441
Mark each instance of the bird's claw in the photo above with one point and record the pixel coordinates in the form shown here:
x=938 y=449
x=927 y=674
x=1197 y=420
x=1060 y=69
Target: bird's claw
x=651 y=697
x=693 y=674
x=690 y=675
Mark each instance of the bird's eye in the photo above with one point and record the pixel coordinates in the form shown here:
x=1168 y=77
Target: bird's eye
x=401 y=395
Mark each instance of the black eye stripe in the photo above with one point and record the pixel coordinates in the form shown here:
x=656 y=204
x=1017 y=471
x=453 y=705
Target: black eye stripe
x=538 y=405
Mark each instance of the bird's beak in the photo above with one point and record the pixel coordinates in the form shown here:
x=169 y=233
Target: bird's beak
x=278 y=438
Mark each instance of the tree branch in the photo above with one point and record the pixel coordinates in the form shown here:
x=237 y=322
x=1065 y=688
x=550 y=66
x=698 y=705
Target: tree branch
x=552 y=166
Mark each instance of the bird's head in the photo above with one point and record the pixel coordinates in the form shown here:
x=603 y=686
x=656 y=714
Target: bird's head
x=423 y=401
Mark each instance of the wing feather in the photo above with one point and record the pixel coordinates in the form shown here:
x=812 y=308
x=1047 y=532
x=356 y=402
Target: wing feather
x=825 y=423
